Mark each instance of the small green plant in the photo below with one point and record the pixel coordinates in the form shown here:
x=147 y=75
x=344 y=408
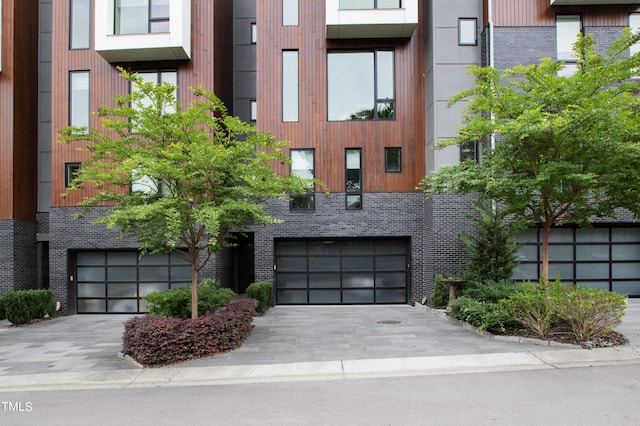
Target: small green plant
x=24 y=306
x=440 y=295
x=261 y=291
x=176 y=303
x=491 y=317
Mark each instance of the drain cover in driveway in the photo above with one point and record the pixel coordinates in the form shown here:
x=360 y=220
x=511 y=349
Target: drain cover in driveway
x=389 y=322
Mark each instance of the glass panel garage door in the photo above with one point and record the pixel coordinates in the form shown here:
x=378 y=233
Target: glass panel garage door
x=358 y=271
x=117 y=281
x=607 y=258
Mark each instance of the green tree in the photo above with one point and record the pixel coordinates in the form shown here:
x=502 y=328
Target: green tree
x=492 y=248
x=568 y=147
x=179 y=178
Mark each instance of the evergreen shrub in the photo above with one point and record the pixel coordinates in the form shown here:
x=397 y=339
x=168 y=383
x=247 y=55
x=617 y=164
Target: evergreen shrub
x=24 y=306
x=261 y=291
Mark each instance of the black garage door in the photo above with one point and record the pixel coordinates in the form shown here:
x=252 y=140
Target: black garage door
x=341 y=271
x=117 y=281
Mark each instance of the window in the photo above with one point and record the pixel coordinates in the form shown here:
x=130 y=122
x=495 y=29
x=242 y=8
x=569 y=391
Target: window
x=467 y=31
x=79 y=28
x=634 y=24
x=289 y=12
x=470 y=151
x=353 y=181
x=289 y=85
x=393 y=160
x=141 y=16
x=253 y=110
x=254 y=33
x=157 y=77
x=370 y=4
x=79 y=99
x=567 y=29
x=70 y=173
x=303 y=165
x=361 y=85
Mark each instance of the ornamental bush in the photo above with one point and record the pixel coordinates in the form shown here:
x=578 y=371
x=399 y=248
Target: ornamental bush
x=155 y=341
x=492 y=291
x=261 y=291
x=491 y=317
x=176 y=303
x=3 y=315
x=440 y=294
x=24 y=306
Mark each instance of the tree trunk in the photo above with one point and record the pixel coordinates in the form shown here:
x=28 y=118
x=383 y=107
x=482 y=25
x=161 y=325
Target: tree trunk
x=194 y=291
x=544 y=273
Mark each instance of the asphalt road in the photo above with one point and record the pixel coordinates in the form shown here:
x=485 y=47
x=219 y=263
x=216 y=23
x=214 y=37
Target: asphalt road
x=573 y=396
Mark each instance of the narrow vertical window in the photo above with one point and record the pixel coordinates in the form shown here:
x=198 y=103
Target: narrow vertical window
x=289 y=12
x=80 y=18
x=254 y=33
x=253 y=110
x=289 y=85
x=634 y=24
x=567 y=29
x=70 y=173
x=303 y=165
x=79 y=99
x=353 y=181
x=467 y=31
x=393 y=160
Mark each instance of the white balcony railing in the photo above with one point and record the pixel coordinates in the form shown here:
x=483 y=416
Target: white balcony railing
x=371 y=23
x=142 y=42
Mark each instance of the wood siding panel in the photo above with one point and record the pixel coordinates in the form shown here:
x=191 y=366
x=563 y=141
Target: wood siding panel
x=331 y=138
x=211 y=32
x=515 y=13
x=19 y=111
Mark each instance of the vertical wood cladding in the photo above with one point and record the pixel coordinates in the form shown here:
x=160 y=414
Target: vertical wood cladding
x=513 y=13
x=209 y=67
x=330 y=138
x=19 y=110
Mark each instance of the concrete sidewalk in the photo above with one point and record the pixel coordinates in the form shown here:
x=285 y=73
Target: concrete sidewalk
x=288 y=343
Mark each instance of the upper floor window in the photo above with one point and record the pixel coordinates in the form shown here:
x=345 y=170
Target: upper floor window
x=79 y=99
x=361 y=85
x=303 y=165
x=158 y=77
x=71 y=171
x=634 y=24
x=370 y=4
x=353 y=178
x=567 y=29
x=467 y=31
x=254 y=33
x=141 y=16
x=289 y=12
x=79 y=24
x=393 y=159
x=289 y=85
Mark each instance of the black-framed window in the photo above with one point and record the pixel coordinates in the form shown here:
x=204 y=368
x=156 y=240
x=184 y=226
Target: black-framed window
x=290 y=93
x=567 y=29
x=253 y=110
x=79 y=86
x=361 y=85
x=303 y=165
x=470 y=151
x=141 y=16
x=353 y=178
x=290 y=12
x=79 y=24
x=254 y=33
x=467 y=31
x=370 y=4
x=71 y=171
x=393 y=159
x=158 y=77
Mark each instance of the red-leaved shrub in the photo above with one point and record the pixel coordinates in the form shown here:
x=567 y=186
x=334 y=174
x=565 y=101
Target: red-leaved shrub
x=157 y=341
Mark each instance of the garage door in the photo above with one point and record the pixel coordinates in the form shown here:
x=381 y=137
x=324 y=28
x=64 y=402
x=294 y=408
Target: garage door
x=341 y=271
x=607 y=258
x=117 y=281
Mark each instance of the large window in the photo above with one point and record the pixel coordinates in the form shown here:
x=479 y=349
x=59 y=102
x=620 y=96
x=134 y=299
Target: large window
x=567 y=29
x=157 y=77
x=289 y=12
x=353 y=178
x=303 y=165
x=141 y=16
x=370 y=4
x=361 y=85
x=79 y=99
x=290 y=85
x=79 y=25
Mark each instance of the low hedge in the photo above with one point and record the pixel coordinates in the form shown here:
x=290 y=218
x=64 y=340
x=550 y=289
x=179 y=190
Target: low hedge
x=491 y=317
x=261 y=291
x=156 y=341
x=25 y=306
x=176 y=303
